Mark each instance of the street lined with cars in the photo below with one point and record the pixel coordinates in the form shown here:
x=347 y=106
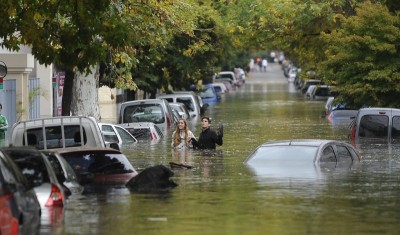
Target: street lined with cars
x=101 y=173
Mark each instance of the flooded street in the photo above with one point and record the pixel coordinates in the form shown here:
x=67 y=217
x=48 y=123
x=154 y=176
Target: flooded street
x=220 y=195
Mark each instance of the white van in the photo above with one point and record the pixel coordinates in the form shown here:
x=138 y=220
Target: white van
x=190 y=99
x=57 y=132
x=156 y=111
x=377 y=126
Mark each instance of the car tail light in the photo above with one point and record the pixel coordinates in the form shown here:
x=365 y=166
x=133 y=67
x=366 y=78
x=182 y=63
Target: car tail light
x=168 y=121
x=353 y=133
x=14 y=226
x=56 y=197
x=153 y=136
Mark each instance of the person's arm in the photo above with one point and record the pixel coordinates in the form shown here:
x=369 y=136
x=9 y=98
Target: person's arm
x=218 y=138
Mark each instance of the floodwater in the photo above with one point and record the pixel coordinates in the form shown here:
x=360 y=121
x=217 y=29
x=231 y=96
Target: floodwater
x=220 y=195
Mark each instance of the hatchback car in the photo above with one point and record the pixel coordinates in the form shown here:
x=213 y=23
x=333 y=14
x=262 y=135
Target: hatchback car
x=99 y=166
x=64 y=172
x=301 y=155
x=117 y=134
x=19 y=206
x=39 y=173
x=376 y=126
x=144 y=131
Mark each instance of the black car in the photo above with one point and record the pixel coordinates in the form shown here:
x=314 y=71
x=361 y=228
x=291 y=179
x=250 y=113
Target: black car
x=19 y=207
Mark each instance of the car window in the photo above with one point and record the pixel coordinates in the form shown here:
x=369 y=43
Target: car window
x=107 y=128
x=396 y=129
x=7 y=175
x=100 y=162
x=343 y=154
x=144 y=113
x=187 y=102
x=54 y=136
x=110 y=137
x=328 y=155
x=374 y=126
x=58 y=170
x=141 y=134
x=125 y=136
x=31 y=165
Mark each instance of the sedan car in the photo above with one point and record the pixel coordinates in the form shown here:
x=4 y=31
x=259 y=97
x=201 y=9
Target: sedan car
x=99 y=166
x=19 y=207
x=288 y=156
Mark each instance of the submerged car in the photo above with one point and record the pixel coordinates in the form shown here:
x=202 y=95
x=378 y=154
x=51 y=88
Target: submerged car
x=99 y=166
x=376 y=126
x=19 y=206
x=144 y=131
x=209 y=95
x=40 y=174
x=64 y=172
x=288 y=157
x=117 y=134
x=157 y=111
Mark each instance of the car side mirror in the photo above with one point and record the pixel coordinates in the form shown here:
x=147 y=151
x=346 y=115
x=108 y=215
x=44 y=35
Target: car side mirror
x=204 y=108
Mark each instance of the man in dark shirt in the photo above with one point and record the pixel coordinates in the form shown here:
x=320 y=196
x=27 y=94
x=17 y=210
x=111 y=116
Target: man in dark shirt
x=208 y=138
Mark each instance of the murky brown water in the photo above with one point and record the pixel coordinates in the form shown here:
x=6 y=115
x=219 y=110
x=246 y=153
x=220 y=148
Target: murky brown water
x=221 y=196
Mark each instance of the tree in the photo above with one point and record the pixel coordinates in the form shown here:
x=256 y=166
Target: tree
x=78 y=35
x=363 y=57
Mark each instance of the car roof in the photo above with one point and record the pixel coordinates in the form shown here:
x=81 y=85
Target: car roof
x=84 y=149
x=137 y=124
x=308 y=142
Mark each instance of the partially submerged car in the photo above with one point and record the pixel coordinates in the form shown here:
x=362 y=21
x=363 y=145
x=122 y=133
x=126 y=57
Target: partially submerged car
x=157 y=111
x=376 y=126
x=57 y=132
x=64 y=173
x=19 y=207
x=287 y=157
x=99 y=166
x=117 y=134
x=144 y=131
x=40 y=174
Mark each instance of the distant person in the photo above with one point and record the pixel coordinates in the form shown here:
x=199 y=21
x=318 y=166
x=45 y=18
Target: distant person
x=3 y=127
x=264 y=64
x=208 y=139
x=182 y=136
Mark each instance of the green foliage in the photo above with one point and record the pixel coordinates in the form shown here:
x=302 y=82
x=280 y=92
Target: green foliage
x=363 y=57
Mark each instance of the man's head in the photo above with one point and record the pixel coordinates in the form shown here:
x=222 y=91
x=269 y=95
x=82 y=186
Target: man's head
x=205 y=122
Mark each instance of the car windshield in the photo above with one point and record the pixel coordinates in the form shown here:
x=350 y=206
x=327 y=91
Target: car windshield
x=279 y=155
x=98 y=162
x=144 y=113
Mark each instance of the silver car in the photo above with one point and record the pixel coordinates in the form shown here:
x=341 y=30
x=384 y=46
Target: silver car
x=299 y=158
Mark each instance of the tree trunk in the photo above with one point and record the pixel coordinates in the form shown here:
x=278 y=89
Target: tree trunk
x=67 y=92
x=85 y=99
